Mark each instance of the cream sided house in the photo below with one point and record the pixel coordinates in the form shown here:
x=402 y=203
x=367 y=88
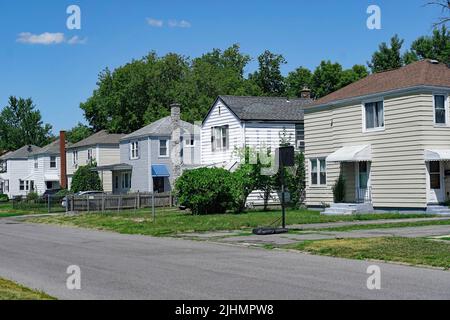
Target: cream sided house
x=234 y=122
x=389 y=136
x=101 y=148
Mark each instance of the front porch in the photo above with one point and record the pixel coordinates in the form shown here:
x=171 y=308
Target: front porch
x=355 y=169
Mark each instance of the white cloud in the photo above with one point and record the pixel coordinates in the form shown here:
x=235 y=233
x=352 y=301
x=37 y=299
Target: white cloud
x=179 y=24
x=77 y=40
x=48 y=38
x=45 y=38
x=155 y=22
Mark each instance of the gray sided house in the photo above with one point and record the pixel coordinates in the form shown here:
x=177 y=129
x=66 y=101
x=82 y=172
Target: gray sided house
x=152 y=157
x=103 y=148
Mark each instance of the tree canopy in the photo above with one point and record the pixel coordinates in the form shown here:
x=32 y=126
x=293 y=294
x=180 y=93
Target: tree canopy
x=78 y=133
x=21 y=124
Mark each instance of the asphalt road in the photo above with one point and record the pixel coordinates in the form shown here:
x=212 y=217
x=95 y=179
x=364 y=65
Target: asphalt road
x=115 y=266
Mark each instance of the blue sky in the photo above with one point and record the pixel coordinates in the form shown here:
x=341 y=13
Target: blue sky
x=59 y=76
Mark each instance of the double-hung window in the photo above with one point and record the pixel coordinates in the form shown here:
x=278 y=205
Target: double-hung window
x=318 y=172
x=90 y=155
x=36 y=162
x=163 y=147
x=374 y=115
x=220 y=138
x=440 y=110
x=134 y=150
x=75 y=158
x=52 y=162
x=21 y=185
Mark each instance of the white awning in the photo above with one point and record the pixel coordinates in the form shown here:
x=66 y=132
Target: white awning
x=437 y=155
x=351 y=154
x=51 y=177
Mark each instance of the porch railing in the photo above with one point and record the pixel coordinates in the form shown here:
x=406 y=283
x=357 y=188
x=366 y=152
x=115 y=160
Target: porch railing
x=364 y=195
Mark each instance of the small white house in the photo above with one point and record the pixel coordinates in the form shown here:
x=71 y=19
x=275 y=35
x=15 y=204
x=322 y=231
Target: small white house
x=261 y=123
x=14 y=177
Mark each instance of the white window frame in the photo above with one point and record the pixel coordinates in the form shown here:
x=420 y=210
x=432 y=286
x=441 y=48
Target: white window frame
x=363 y=111
x=36 y=162
x=188 y=140
x=50 y=163
x=446 y=108
x=90 y=154
x=167 y=148
x=75 y=157
x=318 y=184
x=21 y=185
x=134 y=150
x=218 y=139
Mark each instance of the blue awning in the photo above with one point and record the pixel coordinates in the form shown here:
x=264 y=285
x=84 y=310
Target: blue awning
x=160 y=170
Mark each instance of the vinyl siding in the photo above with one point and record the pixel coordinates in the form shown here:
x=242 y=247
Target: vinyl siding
x=17 y=170
x=214 y=119
x=398 y=172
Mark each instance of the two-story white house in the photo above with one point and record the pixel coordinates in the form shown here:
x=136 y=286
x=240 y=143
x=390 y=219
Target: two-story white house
x=44 y=167
x=101 y=148
x=15 y=179
x=389 y=136
x=235 y=122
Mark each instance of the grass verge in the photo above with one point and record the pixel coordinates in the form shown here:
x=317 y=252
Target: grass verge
x=388 y=225
x=173 y=221
x=12 y=291
x=416 y=251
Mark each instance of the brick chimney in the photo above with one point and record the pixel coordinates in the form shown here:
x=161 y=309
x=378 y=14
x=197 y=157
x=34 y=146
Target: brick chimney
x=63 y=160
x=175 y=142
x=305 y=93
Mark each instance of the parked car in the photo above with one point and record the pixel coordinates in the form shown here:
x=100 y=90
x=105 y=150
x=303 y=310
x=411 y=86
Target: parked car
x=49 y=193
x=81 y=193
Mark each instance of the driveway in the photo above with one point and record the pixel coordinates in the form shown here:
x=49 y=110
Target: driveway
x=115 y=266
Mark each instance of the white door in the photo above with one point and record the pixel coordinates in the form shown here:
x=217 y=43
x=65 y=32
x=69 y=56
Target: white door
x=435 y=182
x=363 y=181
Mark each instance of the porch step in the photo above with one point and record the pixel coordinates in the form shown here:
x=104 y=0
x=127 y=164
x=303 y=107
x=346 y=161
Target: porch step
x=437 y=209
x=348 y=208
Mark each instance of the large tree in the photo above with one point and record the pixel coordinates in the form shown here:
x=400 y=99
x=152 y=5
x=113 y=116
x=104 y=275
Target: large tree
x=78 y=133
x=269 y=77
x=387 y=57
x=297 y=80
x=444 y=5
x=436 y=47
x=21 y=124
x=326 y=78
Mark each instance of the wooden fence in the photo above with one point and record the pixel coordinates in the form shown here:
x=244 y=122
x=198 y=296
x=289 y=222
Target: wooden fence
x=108 y=202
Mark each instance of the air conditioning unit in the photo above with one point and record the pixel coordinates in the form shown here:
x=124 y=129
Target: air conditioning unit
x=300 y=144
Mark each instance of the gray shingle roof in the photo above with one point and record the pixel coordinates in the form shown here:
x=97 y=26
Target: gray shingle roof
x=266 y=108
x=21 y=153
x=161 y=127
x=101 y=137
x=50 y=149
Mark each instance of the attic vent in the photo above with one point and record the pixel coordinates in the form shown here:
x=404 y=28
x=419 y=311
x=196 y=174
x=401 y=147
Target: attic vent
x=434 y=61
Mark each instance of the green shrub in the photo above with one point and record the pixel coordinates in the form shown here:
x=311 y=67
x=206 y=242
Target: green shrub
x=243 y=181
x=63 y=193
x=339 y=189
x=4 y=197
x=205 y=190
x=85 y=179
x=32 y=196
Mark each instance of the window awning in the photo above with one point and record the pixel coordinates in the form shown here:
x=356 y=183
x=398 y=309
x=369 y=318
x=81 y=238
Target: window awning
x=351 y=154
x=160 y=170
x=51 y=177
x=437 y=155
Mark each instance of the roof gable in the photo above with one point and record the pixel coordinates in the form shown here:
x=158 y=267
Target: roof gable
x=100 y=138
x=417 y=74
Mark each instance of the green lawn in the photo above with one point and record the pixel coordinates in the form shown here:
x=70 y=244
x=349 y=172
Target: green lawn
x=12 y=291
x=388 y=225
x=172 y=221
x=417 y=251
x=7 y=210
